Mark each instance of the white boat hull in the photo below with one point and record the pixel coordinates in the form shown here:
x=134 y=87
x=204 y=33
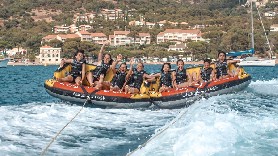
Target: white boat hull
x=257 y=63
x=4 y=63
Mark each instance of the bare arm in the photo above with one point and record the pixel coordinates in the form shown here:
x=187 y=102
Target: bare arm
x=63 y=61
x=114 y=64
x=156 y=75
x=130 y=68
x=101 y=51
x=233 y=61
x=83 y=71
x=174 y=77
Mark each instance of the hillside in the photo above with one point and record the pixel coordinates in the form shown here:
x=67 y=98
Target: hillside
x=25 y=22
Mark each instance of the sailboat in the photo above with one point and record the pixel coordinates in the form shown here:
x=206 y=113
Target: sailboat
x=251 y=60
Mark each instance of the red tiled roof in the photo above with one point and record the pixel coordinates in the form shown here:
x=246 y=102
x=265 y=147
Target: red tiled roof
x=161 y=34
x=192 y=31
x=50 y=37
x=72 y=36
x=98 y=35
x=84 y=33
x=144 y=34
x=121 y=32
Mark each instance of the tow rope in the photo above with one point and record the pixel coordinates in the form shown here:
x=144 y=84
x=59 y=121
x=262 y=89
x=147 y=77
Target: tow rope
x=55 y=137
x=159 y=133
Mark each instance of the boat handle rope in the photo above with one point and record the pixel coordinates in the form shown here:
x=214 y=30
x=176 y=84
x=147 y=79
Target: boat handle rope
x=159 y=133
x=55 y=137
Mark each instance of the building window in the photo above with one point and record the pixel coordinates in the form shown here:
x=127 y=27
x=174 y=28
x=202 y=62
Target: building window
x=57 y=55
x=49 y=60
x=48 y=55
x=53 y=55
x=56 y=60
x=42 y=59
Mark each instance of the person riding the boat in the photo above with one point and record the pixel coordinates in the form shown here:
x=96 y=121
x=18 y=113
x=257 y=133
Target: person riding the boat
x=207 y=72
x=166 y=77
x=136 y=77
x=180 y=76
x=119 y=77
x=103 y=65
x=77 y=73
x=222 y=70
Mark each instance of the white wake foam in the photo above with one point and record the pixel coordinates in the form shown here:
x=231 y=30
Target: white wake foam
x=213 y=127
x=269 y=87
x=27 y=129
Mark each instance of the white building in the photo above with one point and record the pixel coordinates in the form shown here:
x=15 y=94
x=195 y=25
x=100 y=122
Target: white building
x=177 y=47
x=14 y=51
x=49 y=55
x=84 y=27
x=61 y=29
x=85 y=35
x=98 y=38
x=144 y=38
x=120 y=38
x=270 y=15
x=174 y=35
x=274 y=27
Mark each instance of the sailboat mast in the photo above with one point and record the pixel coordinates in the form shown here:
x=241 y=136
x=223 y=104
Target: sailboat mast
x=252 y=25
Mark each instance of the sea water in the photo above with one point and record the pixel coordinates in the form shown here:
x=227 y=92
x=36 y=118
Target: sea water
x=242 y=123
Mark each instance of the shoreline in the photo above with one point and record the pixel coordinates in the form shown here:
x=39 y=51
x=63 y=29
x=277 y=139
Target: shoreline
x=149 y=63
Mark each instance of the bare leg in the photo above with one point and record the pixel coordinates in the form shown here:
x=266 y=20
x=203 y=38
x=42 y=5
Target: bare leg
x=99 y=84
x=126 y=88
x=161 y=89
x=69 y=78
x=115 y=88
x=212 y=76
x=182 y=85
x=90 y=78
x=131 y=90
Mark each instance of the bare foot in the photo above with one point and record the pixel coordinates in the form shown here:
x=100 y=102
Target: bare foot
x=59 y=79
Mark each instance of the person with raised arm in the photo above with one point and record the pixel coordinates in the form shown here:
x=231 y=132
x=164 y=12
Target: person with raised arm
x=104 y=63
x=118 y=78
x=120 y=75
x=136 y=77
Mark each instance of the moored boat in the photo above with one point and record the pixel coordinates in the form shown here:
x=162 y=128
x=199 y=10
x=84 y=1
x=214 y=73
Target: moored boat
x=4 y=63
x=148 y=96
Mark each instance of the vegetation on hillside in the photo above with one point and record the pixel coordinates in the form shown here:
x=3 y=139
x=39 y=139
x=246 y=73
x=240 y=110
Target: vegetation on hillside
x=228 y=24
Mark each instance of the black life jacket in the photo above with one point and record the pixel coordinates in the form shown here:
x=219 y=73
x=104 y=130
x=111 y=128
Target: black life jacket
x=76 y=68
x=136 y=79
x=205 y=73
x=119 y=79
x=181 y=76
x=166 y=79
x=221 y=68
x=101 y=69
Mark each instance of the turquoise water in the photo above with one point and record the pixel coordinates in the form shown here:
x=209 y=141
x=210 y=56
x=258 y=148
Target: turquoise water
x=243 y=123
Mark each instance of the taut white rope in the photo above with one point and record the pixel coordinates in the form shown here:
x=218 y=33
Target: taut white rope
x=160 y=132
x=54 y=138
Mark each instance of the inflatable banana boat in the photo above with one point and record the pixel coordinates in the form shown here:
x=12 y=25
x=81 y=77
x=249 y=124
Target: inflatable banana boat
x=148 y=96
